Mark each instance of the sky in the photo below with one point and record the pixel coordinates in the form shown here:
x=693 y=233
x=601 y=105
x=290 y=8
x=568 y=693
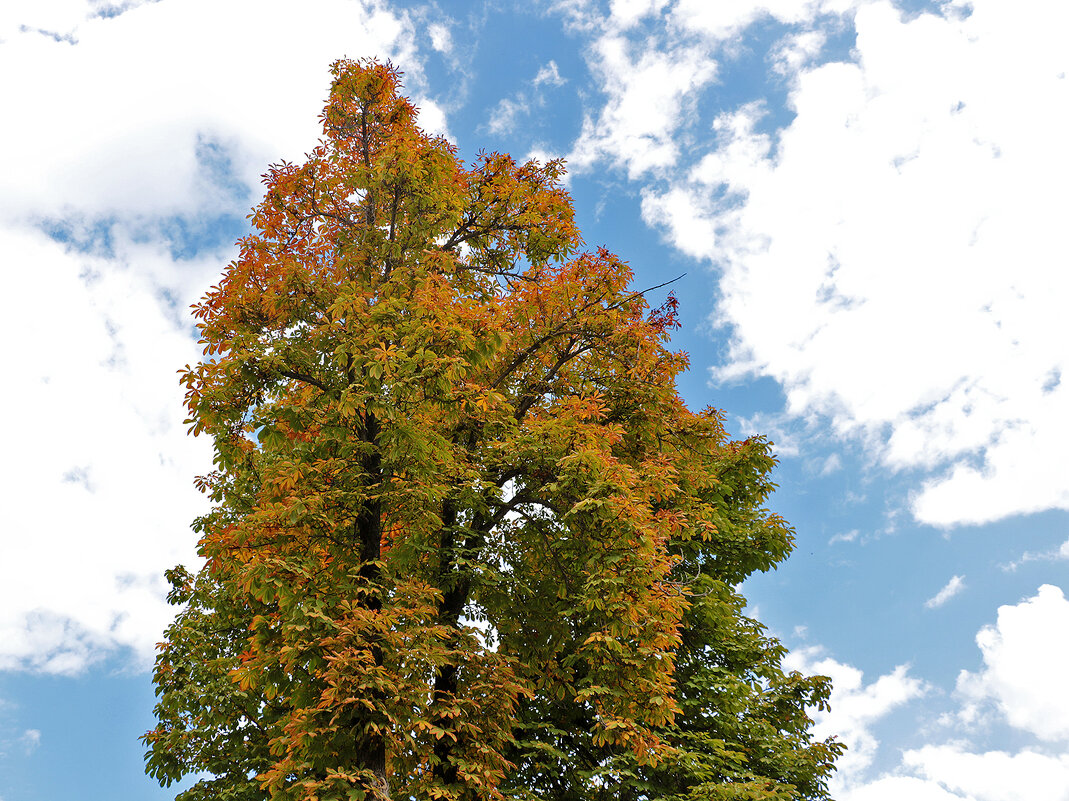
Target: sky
x=865 y=199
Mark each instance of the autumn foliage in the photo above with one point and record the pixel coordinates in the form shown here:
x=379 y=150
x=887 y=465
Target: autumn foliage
x=466 y=542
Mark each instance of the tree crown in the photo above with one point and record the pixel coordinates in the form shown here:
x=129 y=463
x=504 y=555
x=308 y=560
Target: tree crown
x=467 y=540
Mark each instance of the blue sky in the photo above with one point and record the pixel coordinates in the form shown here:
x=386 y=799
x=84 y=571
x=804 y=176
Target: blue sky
x=866 y=196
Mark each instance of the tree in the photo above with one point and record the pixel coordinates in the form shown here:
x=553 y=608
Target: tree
x=467 y=541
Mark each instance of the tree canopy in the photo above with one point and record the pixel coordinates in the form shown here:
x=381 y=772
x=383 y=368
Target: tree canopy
x=466 y=541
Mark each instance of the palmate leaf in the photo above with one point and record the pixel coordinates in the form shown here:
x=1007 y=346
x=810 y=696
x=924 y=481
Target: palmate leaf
x=467 y=541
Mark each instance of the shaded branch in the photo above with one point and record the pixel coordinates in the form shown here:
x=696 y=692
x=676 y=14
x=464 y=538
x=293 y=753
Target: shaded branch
x=307 y=379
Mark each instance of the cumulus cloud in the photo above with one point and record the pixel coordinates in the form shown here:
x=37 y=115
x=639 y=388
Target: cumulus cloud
x=1025 y=662
x=855 y=707
x=1026 y=659
x=795 y=51
x=441 y=38
x=952 y=588
x=951 y=773
x=649 y=95
x=122 y=171
x=624 y=14
x=139 y=118
x=896 y=788
x=994 y=775
x=892 y=255
x=724 y=20
x=58 y=19
x=97 y=482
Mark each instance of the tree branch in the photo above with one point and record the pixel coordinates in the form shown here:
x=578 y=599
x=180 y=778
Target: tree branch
x=307 y=379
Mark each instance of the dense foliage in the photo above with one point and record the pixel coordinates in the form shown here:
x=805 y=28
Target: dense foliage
x=467 y=542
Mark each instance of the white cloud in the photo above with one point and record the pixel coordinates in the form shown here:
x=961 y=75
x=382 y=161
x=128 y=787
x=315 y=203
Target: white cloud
x=1026 y=660
x=30 y=739
x=441 y=38
x=111 y=125
x=723 y=21
x=952 y=588
x=903 y=232
x=581 y=16
x=97 y=479
x=133 y=126
x=56 y=18
x=1025 y=656
x=899 y=788
x=994 y=775
x=796 y=50
x=1055 y=554
x=687 y=216
x=506 y=115
x=624 y=14
x=649 y=97
x=775 y=428
x=549 y=73
x=831 y=465
x=508 y=112
x=848 y=536
x=855 y=707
